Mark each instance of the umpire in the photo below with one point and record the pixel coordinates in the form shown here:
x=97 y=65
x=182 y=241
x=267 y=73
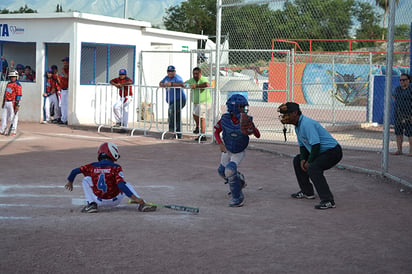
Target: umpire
x=319 y=151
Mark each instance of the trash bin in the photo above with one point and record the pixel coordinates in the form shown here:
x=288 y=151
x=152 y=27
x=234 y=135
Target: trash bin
x=243 y=93
x=265 y=92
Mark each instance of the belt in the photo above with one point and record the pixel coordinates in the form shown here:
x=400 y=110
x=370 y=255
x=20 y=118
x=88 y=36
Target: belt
x=101 y=200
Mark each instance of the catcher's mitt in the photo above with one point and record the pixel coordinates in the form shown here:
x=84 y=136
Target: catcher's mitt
x=247 y=126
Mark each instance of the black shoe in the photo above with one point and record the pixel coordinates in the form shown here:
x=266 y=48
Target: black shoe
x=325 y=205
x=202 y=138
x=90 y=208
x=301 y=195
x=196 y=131
x=118 y=125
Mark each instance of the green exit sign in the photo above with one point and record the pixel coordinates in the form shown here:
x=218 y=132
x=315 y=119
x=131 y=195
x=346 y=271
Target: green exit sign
x=185 y=48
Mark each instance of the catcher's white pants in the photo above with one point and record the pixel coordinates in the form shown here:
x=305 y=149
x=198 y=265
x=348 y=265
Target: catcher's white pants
x=232 y=157
x=91 y=197
x=52 y=100
x=7 y=115
x=121 y=110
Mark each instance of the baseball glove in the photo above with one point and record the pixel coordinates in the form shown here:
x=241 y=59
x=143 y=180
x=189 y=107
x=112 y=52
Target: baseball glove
x=247 y=126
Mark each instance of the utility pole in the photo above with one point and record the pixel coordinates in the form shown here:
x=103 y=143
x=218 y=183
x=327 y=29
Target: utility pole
x=125 y=9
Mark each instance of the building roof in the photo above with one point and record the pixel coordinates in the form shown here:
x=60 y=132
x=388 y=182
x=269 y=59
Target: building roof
x=143 y=25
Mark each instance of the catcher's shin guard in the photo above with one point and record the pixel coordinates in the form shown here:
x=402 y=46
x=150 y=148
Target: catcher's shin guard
x=221 y=171
x=234 y=181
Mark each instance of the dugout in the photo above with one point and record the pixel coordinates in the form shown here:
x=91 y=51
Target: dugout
x=98 y=46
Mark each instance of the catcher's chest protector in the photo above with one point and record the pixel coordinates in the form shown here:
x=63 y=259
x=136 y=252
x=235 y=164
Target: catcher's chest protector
x=233 y=138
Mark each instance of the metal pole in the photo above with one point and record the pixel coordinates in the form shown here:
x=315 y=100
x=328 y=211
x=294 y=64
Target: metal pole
x=370 y=93
x=410 y=59
x=333 y=92
x=217 y=69
x=125 y=9
x=388 y=87
x=290 y=96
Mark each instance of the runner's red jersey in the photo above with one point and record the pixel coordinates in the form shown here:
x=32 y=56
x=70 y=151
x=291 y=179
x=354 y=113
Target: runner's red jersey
x=105 y=177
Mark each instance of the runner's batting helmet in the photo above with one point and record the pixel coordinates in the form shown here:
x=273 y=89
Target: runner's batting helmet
x=108 y=150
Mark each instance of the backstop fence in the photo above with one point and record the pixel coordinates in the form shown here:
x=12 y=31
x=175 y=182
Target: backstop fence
x=341 y=89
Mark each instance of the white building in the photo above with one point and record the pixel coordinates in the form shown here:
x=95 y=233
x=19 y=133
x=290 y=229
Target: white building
x=98 y=46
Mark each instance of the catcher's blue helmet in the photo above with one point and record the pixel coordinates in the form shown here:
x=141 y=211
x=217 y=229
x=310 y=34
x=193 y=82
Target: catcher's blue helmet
x=234 y=102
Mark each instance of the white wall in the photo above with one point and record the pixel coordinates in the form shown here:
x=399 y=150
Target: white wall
x=66 y=32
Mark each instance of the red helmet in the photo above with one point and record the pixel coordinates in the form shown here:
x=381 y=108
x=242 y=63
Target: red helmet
x=109 y=150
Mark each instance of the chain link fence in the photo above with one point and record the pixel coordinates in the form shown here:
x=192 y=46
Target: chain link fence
x=306 y=52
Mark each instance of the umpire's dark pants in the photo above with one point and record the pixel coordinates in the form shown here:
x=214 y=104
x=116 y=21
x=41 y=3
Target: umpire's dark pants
x=324 y=161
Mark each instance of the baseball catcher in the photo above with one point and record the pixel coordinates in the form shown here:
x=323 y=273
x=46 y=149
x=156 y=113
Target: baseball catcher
x=235 y=126
x=104 y=184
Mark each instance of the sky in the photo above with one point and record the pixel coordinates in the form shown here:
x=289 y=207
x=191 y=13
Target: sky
x=148 y=10
x=144 y=10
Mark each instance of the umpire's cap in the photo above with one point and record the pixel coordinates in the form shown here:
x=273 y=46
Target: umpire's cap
x=122 y=72
x=289 y=107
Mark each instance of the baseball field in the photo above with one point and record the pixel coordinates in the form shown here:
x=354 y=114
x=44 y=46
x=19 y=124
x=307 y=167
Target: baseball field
x=43 y=231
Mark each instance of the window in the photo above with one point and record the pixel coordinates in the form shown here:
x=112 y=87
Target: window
x=101 y=62
x=18 y=56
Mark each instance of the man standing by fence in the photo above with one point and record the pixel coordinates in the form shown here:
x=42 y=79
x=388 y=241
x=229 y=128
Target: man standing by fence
x=403 y=113
x=175 y=97
x=201 y=98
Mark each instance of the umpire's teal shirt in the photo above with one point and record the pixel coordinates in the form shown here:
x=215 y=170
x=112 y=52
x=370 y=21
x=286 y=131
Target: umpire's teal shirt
x=310 y=132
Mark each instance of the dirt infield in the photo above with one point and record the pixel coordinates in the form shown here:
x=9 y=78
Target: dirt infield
x=43 y=231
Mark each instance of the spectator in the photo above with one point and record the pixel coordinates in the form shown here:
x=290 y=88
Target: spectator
x=402 y=96
x=121 y=107
x=175 y=97
x=11 y=103
x=4 y=68
x=20 y=70
x=52 y=98
x=29 y=75
x=12 y=67
x=201 y=98
x=319 y=151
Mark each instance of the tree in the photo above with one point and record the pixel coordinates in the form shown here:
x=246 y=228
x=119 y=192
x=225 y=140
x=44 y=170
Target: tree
x=384 y=4
x=59 y=8
x=402 y=31
x=24 y=9
x=368 y=24
x=192 y=16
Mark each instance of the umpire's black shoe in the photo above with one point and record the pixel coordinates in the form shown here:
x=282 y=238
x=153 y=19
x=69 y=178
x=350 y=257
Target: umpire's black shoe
x=90 y=208
x=325 y=205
